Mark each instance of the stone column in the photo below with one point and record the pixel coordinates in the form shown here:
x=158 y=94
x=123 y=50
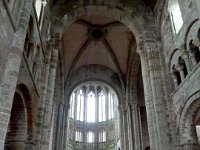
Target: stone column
x=136 y=127
x=175 y=80
x=186 y=58
x=122 y=143
x=125 y=125
x=61 y=127
x=155 y=97
x=130 y=128
x=10 y=71
x=65 y=122
x=49 y=101
x=180 y=69
x=124 y=128
x=41 y=107
x=58 y=127
x=192 y=57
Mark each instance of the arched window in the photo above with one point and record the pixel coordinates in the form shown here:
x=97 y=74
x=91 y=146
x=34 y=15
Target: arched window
x=39 y=6
x=80 y=106
x=93 y=116
x=90 y=137
x=78 y=136
x=102 y=136
x=92 y=104
x=175 y=15
x=102 y=107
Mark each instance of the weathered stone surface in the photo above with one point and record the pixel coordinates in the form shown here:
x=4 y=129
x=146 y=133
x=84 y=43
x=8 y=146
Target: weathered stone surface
x=159 y=95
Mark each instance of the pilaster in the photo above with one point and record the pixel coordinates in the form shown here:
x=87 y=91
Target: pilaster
x=49 y=101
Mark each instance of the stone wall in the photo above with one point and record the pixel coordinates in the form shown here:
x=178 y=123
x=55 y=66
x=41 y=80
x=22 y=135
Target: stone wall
x=23 y=64
x=6 y=32
x=184 y=94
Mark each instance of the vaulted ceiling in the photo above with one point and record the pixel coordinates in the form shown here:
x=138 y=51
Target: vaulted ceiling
x=97 y=40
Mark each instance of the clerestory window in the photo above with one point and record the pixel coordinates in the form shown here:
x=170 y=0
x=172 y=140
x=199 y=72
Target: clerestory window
x=92 y=104
x=175 y=15
x=39 y=7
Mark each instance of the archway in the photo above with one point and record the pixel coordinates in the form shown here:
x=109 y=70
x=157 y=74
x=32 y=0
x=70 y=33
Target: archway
x=63 y=16
x=19 y=135
x=188 y=126
x=17 y=131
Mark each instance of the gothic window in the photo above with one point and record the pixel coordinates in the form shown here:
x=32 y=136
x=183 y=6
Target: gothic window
x=91 y=104
x=175 y=15
x=80 y=106
x=102 y=107
x=39 y=7
x=78 y=136
x=110 y=106
x=102 y=136
x=90 y=137
x=92 y=114
x=84 y=104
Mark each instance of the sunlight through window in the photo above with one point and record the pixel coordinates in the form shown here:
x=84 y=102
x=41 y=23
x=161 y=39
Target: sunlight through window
x=90 y=137
x=175 y=15
x=102 y=107
x=91 y=107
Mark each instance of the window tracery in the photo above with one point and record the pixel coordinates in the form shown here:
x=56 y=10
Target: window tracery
x=92 y=114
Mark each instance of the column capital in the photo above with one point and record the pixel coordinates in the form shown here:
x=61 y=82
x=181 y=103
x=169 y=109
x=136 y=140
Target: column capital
x=179 y=67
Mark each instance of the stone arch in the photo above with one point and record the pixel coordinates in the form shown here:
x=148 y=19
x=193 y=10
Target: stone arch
x=106 y=76
x=186 y=122
x=176 y=50
x=28 y=102
x=133 y=18
x=187 y=37
x=173 y=61
x=17 y=129
x=132 y=77
x=137 y=107
x=20 y=125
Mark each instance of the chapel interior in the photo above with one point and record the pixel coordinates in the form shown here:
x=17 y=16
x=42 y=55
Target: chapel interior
x=99 y=75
